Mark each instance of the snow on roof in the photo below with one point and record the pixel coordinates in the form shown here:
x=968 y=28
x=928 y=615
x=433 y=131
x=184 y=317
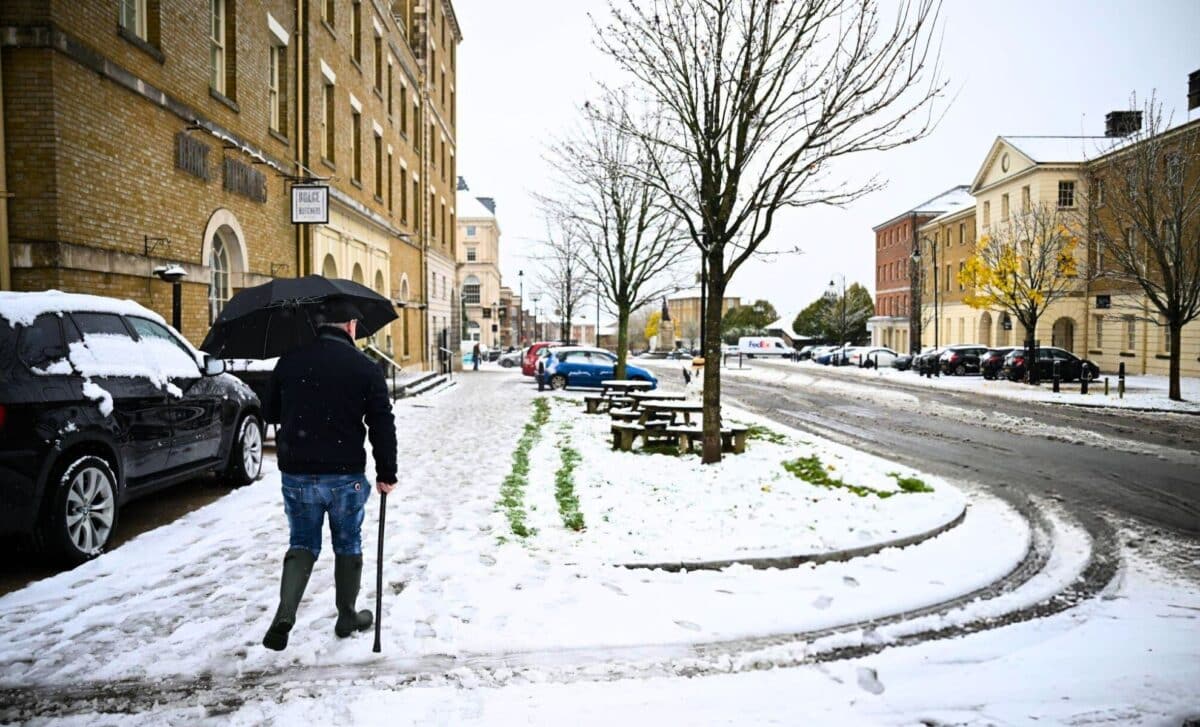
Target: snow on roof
x=956 y=198
x=23 y=308
x=468 y=207
x=956 y=209
x=1063 y=149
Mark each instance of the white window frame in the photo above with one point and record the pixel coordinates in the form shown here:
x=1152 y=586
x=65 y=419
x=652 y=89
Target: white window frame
x=138 y=10
x=218 y=18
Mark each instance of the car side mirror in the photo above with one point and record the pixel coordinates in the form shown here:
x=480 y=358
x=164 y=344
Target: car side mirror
x=213 y=366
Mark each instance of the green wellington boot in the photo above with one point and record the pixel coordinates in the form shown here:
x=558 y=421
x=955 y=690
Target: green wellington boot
x=347 y=572
x=297 y=567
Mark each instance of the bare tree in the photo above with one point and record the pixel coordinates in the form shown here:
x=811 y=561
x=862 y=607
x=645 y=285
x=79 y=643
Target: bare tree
x=564 y=277
x=1145 y=210
x=760 y=99
x=632 y=237
x=1026 y=264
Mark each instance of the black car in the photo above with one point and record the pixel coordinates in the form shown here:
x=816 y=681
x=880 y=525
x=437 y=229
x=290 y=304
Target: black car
x=101 y=403
x=903 y=362
x=961 y=360
x=927 y=362
x=1070 y=366
x=992 y=362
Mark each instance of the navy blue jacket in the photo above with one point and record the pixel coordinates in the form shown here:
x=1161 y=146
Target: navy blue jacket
x=321 y=394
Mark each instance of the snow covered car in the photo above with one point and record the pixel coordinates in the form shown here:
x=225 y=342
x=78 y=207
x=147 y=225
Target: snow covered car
x=100 y=403
x=867 y=357
x=587 y=367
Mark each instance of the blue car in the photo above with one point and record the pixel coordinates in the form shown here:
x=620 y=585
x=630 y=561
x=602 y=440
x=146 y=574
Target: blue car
x=587 y=367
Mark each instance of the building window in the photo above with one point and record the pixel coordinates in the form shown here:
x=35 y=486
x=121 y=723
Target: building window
x=1099 y=332
x=379 y=65
x=1025 y=199
x=987 y=214
x=453 y=110
x=962 y=233
x=217 y=36
x=471 y=255
x=443 y=89
x=445 y=230
x=471 y=290
x=391 y=205
x=416 y=115
x=327 y=11
x=960 y=276
x=1003 y=207
x=1166 y=335
x=432 y=216
x=946 y=284
x=404 y=195
x=277 y=88
x=356 y=145
x=1130 y=333
x=470 y=230
x=327 y=140
x=391 y=84
x=218 y=287
x=356 y=31
x=378 y=166
x=1099 y=192
x=1099 y=253
x=1066 y=195
x=404 y=109
x=416 y=200
x=133 y=17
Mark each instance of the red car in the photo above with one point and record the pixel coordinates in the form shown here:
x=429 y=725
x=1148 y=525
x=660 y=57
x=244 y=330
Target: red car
x=529 y=363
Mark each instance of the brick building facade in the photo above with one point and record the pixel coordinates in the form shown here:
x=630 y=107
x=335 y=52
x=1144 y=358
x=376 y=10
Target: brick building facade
x=142 y=134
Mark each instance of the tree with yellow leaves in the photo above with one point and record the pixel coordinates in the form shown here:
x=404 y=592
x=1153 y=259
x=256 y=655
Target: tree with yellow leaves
x=1025 y=264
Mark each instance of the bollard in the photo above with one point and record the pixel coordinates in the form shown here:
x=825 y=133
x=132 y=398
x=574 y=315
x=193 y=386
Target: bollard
x=1121 y=381
x=1056 y=377
x=1083 y=383
x=1106 y=386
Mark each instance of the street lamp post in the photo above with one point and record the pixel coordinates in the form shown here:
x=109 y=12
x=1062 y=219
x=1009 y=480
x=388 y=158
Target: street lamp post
x=842 y=320
x=174 y=274
x=521 y=308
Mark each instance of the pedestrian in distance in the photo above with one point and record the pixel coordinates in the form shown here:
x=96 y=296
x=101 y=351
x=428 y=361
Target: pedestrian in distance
x=475 y=355
x=321 y=395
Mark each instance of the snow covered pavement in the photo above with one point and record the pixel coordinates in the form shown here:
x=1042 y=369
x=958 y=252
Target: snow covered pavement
x=478 y=621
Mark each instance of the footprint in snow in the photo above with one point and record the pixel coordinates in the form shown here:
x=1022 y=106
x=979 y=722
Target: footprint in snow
x=822 y=602
x=423 y=630
x=487 y=560
x=868 y=679
x=688 y=625
x=614 y=588
x=852 y=582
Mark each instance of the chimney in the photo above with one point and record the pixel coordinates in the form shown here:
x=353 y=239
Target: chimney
x=1193 y=90
x=1122 y=123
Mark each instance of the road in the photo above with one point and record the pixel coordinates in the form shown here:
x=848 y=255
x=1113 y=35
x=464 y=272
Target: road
x=1139 y=465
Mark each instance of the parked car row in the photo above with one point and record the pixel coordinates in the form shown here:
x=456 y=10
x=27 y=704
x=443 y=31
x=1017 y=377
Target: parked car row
x=992 y=363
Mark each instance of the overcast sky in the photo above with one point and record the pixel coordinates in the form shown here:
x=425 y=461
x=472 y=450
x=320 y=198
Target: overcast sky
x=1017 y=67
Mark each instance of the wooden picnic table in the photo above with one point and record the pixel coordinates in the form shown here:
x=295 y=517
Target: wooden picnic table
x=670 y=408
x=621 y=385
x=655 y=395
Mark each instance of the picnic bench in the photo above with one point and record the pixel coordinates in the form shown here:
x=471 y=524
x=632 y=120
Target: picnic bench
x=601 y=404
x=614 y=385
x=643 y=396
x=733 y=438
x=669 y=410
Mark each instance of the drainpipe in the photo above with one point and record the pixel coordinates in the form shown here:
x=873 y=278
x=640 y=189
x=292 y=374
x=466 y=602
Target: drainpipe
x=5 y=259
x=303 y=232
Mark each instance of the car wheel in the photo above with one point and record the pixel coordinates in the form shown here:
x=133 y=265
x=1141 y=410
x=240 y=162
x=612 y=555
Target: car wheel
x=960 y=370
x=83 y=512
x=506 y=364
x=245 y=456
x=558 y=382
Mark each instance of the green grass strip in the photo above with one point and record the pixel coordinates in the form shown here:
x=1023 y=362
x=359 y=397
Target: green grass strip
x=758 y=431
x=512 y=490
x=564 y=483
x=813 y=471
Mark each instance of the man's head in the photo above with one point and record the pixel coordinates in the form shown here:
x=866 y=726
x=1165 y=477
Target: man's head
x=338 y=313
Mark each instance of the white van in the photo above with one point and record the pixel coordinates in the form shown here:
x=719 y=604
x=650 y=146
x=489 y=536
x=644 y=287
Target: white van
x=763 y=346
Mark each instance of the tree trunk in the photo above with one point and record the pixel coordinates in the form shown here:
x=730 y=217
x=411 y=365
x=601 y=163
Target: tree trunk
x=1173 y=372
x=1031 y=372
x=622 y=340
x=712 y=359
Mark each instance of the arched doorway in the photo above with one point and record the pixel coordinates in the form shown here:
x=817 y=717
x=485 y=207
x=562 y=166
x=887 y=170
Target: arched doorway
x=329 y=267
x=985 y=328
x=1063 y=334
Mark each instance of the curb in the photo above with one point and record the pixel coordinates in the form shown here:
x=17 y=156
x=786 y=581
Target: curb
x=795 y=561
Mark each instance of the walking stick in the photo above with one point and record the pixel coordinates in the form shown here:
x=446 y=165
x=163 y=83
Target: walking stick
x=379 y=574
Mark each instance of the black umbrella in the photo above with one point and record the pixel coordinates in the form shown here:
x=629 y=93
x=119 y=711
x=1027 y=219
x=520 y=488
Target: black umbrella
x=270 y=319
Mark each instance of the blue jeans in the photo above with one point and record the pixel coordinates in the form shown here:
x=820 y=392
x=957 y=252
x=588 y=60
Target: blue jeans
x=306 y=499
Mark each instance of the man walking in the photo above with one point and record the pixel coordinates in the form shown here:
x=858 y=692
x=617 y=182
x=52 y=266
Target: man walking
x=321 y=395
x=475 y=355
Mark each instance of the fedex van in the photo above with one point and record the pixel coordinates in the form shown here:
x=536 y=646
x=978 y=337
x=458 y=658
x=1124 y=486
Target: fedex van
x=763 y=346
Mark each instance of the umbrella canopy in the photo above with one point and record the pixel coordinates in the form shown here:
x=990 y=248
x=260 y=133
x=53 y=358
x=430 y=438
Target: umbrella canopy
x=270 y=319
